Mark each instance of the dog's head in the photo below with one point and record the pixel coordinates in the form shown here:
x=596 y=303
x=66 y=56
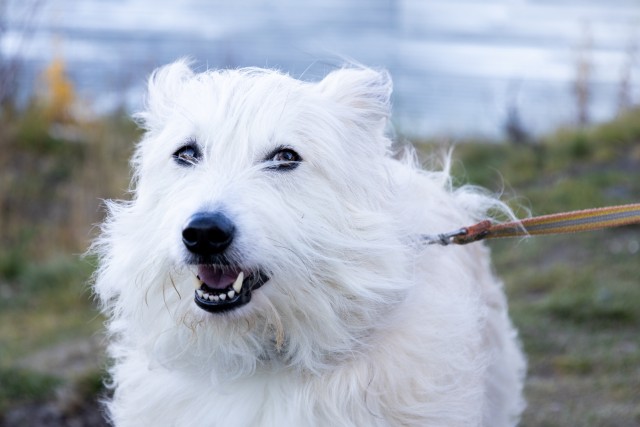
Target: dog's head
x=272 y=198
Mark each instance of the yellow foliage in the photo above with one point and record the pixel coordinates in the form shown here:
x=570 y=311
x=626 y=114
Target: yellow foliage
x=59 y=94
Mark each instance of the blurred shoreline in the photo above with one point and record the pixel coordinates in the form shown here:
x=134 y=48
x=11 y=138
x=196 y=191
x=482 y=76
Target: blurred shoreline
x=459 y=67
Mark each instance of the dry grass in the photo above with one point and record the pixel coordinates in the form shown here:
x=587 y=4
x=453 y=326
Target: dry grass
x=52 y=180
x=53 y=177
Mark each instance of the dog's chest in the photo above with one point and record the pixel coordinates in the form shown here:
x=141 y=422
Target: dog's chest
x=255 y=401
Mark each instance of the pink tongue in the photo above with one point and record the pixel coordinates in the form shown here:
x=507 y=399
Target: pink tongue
x=214 y=277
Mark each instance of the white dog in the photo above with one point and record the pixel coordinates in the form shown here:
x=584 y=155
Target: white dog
x=268 y=270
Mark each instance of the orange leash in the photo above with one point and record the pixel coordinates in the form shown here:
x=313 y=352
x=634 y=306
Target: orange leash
x=567 y=222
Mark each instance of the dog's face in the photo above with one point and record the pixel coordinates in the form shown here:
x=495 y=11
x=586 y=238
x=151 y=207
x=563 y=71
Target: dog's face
x=271 y=198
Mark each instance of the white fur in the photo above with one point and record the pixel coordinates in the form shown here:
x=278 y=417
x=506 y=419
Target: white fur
x=358 y=326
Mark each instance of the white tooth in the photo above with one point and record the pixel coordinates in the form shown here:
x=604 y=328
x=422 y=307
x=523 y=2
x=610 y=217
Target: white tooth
x=223 y=297
x=211 y=297
x=200 y=292
x=214 y=298
x=237 y=285
x=231 y=294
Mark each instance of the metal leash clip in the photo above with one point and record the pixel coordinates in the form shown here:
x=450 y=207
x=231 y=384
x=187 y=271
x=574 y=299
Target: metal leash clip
x=444 y=239
x=462 y=236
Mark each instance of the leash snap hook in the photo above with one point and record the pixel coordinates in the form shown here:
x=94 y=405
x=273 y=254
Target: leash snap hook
x=445 y=239
x=462 y=236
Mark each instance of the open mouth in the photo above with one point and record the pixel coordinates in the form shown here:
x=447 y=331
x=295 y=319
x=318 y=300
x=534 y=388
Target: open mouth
x=224 y=288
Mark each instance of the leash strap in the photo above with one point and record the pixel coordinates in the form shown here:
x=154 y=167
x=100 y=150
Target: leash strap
x=567 y=222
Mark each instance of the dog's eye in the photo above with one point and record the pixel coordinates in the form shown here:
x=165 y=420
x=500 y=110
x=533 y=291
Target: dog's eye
x=187 y=155
x=284 y=159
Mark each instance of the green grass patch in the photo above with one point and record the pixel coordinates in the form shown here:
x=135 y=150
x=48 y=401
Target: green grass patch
x=44 y=304
x=19 y=385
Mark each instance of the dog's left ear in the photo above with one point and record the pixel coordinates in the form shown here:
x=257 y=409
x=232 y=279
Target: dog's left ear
x=365 y=91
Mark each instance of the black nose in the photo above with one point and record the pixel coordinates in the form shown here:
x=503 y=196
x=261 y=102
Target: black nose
x=208 y=233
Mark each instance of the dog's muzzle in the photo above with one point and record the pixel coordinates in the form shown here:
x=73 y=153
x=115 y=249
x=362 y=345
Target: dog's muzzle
x=221 y=286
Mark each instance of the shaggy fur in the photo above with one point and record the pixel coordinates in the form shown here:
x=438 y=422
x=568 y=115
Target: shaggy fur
x=359 y=324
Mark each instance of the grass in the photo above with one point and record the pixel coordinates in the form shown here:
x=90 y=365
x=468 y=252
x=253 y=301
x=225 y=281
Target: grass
x=51 y=183
x=574 y=299
x=575 y=302
x=42 y=306
x=19 y=385
x=50 y=301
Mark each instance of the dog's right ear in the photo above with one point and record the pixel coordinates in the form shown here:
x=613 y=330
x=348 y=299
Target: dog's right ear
x=163 y=87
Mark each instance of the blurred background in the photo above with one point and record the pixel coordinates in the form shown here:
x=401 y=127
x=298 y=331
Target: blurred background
x=541 y=99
